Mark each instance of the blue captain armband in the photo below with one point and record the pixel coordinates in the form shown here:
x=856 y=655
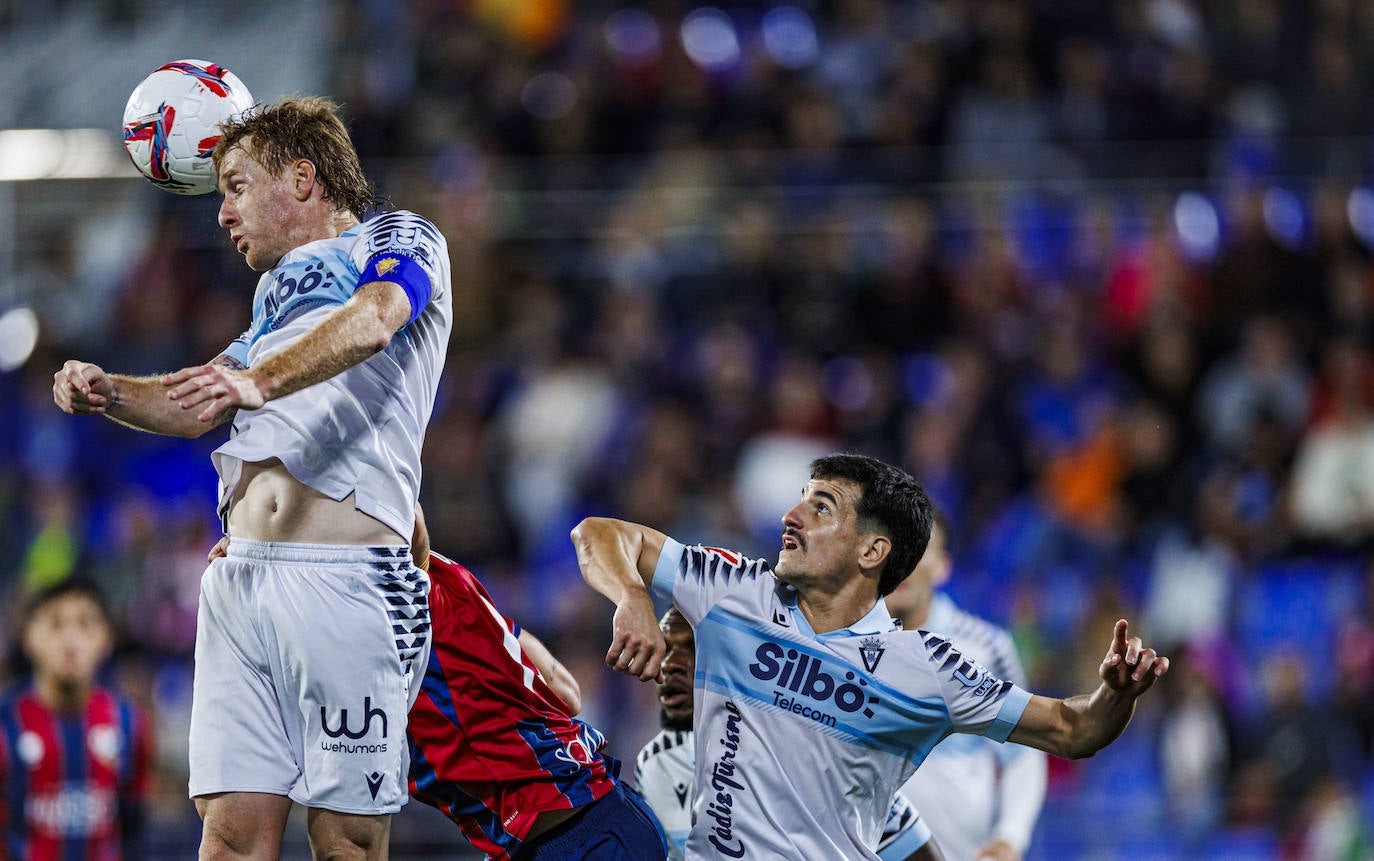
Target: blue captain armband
x=400 y=269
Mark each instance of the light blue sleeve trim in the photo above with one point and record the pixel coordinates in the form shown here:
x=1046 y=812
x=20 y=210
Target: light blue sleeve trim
x=665 y=574
x=905 y=844
x=1010 y=714
x=238 y=349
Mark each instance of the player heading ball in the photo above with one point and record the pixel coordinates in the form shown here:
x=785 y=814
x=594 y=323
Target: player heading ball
x=317 y=608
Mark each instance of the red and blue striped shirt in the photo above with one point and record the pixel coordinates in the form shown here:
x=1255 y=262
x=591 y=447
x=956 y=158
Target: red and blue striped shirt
x=70 y=780
x=492 y=745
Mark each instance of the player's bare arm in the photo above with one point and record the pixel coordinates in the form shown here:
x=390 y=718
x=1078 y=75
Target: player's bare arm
x=555 y=675
x=81 y=388
x=617 y=559
x=1081 y=726
x=360 y=328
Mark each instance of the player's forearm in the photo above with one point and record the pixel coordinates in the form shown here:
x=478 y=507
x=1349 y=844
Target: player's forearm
x=358 y=330
x=1021 y=794
x=142 y=403
x=1094 y=721
x=555 y=675
x=610 y=554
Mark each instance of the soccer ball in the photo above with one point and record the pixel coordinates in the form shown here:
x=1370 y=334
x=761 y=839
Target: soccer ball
x=171 y=123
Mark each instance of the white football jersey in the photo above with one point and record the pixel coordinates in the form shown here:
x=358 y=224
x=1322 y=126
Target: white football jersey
x=360 y=431
x=802 y=740
x=956 y=788
x=663 y=774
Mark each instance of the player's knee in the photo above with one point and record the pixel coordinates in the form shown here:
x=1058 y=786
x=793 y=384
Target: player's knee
x=241 y=826
x=221 y=842
x=344 y=837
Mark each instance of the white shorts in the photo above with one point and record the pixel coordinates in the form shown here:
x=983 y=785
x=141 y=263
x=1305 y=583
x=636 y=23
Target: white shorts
x=308 y=658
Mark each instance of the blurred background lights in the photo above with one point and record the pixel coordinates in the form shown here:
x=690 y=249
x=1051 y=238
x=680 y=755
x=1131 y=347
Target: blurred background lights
x=61 y=154
x=549 y=95
x=710 y=40
x=1197 y=225
x=18 y=336
x=789 y=37
x=1359 y=208
x=847 y=383
x=633 y=36
x=1283 y=216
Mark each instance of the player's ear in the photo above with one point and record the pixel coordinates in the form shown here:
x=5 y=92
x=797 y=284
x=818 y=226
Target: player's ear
x=873 y=550
x=302 y=173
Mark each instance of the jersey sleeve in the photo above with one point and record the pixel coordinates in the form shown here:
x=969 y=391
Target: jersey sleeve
x=238 y=348
x=405 y=249
x=695 y=578
x=904 y=831
x=978 y=702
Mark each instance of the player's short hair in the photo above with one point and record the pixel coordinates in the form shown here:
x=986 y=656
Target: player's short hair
x=41 y=598
x=892 y=503
x=306 y=127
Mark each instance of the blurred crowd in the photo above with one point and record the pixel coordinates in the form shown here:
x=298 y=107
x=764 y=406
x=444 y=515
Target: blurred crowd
x=1098 y=274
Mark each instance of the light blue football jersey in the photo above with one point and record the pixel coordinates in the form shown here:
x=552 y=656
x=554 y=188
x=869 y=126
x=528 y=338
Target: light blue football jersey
x=360 y=431
x=663 y=775
x=957 y=787
x=802 y=740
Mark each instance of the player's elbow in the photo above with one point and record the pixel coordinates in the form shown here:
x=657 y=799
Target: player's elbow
x=1079 y=750
x=583 y=531
x=379 y=334
x=569 y=690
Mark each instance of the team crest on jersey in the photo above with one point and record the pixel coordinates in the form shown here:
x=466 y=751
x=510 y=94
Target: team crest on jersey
x=103 y=741
x=871 y=649
x=30 y=748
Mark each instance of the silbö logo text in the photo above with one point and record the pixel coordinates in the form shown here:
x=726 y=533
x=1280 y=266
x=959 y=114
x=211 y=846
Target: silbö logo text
x=805 y=676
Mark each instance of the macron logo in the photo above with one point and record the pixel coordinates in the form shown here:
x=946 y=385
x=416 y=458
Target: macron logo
x=374 y=783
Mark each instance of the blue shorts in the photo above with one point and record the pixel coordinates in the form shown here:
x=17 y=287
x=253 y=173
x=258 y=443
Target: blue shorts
x=619 y=827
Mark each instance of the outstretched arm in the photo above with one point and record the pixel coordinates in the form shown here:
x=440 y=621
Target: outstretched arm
x=81 y=388
x=617 y=559
x=1081 y=726
x=555 y=674
x=359 y=329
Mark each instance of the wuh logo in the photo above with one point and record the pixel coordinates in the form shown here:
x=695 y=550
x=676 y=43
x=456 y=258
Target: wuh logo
x=368 y=713
x=871 y=650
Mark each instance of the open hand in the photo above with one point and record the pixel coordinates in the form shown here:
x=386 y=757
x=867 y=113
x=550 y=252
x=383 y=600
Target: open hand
x=216 y=388
x=1130 y=668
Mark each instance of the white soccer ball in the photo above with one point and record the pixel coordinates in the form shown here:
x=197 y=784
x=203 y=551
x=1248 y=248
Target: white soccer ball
x=171 y=123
